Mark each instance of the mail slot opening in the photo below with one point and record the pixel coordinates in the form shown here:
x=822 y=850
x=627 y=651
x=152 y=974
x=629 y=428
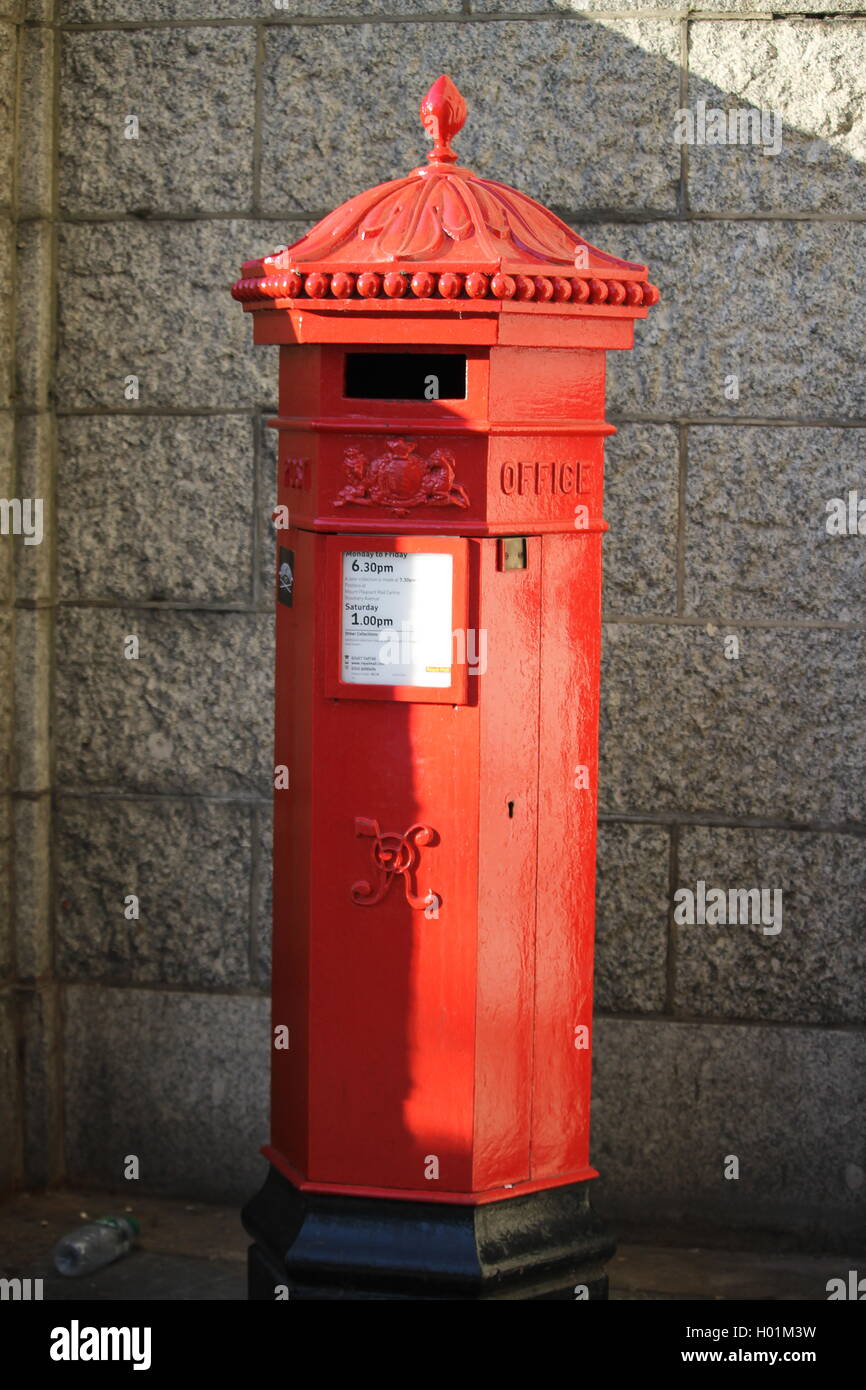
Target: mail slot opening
x=406 y=376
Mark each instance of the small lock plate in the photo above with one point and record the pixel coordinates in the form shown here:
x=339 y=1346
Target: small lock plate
x=512 y=553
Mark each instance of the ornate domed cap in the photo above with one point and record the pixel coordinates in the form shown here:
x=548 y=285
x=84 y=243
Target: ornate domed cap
x=444 y=233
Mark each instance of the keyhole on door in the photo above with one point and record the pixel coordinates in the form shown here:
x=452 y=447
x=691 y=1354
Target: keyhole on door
x=511 y=810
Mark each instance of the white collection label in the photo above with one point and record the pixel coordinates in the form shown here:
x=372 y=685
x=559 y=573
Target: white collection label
x=396 y=618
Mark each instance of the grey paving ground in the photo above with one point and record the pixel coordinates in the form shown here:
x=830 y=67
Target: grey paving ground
x=187 y=1250
x=146 y=1275
x=191 y=1251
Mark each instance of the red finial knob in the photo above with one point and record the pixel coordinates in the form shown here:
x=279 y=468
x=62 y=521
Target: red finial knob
x=443 y=112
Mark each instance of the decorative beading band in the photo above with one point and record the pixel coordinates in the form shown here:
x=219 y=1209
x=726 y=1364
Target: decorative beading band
x=448 y=285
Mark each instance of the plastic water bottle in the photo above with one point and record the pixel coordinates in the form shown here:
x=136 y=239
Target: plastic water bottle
x=98 y=1243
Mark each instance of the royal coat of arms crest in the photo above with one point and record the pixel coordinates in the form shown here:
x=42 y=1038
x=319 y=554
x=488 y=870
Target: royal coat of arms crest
x=399 y=479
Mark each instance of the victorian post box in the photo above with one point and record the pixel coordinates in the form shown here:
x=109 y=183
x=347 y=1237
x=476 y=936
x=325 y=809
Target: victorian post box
x=441 y=431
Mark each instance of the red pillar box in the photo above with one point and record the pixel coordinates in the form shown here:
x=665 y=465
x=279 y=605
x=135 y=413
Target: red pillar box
x=442 y=350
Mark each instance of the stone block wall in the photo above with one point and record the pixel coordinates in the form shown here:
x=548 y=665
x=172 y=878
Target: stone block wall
x=741 y=413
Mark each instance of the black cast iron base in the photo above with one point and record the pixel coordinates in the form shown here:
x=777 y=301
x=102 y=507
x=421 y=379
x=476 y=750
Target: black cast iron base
x=545 y=1245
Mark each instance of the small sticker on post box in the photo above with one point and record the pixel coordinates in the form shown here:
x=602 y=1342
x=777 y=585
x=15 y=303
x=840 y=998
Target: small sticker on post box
x=396 y=618
x=286 y=576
